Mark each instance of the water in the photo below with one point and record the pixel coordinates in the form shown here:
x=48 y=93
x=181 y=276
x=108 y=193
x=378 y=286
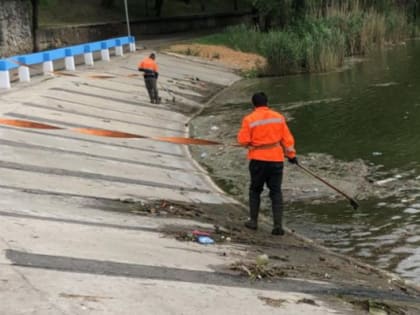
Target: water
x=370 y=111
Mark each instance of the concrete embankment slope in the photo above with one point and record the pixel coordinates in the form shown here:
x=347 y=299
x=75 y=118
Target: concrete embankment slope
x=62 y=251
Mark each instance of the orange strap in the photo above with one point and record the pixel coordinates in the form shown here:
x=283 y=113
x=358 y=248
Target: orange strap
x=264 y=146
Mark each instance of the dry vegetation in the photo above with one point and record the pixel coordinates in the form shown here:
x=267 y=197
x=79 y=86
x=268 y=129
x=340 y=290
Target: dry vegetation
x=226 y=56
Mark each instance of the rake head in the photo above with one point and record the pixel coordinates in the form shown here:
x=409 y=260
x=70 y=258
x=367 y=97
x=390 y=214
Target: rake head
x=354 y=204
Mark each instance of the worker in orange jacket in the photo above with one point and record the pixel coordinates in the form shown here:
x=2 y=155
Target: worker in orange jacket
x=268 y=139
x=151 y=73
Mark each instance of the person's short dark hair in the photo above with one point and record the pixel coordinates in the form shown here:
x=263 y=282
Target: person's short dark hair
x=259 y=99
x=152 y=55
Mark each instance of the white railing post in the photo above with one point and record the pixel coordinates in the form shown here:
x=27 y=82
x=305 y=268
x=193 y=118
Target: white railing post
x=118 y=48
x=88 y=56
x=69 y=60
x=24 y=73
x=4 y=80
x=119 y=51
x=4 y=76
x=105 y=52
x=132 y=44
x=47 y=65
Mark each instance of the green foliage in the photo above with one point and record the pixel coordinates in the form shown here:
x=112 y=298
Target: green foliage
x=47 y=3
x=317 y=43
x=281 y=13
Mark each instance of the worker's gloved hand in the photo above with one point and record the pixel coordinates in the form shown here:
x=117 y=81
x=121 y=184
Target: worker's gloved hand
x=293 y=160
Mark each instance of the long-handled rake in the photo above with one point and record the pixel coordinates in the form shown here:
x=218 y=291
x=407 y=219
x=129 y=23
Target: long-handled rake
x=353 y=202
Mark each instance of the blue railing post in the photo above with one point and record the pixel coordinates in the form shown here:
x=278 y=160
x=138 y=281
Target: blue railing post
x=47 y=65
x=69 y=60
x=88 y=55
x=104 y=51
x=118 y=48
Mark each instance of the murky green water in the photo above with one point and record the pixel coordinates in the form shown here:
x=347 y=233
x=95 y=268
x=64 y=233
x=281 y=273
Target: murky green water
x=370 y=111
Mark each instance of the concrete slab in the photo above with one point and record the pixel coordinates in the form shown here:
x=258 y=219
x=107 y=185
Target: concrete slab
x=63 y=252
x=86 y=294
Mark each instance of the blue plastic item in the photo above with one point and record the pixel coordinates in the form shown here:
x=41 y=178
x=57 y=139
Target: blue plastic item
x=205 y=240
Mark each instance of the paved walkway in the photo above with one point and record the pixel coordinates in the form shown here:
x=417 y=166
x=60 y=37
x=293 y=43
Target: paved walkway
x=63 y=252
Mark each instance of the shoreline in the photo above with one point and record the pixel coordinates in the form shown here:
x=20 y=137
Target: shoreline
x=379 y=190
x=354 y=261
x=102 y=218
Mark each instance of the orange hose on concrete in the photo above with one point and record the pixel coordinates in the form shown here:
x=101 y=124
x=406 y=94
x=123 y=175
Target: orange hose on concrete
x=26 y=124
x=182 y=140
x=107 y=133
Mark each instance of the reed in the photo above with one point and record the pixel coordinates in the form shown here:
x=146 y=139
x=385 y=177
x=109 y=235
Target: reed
x=321 y=40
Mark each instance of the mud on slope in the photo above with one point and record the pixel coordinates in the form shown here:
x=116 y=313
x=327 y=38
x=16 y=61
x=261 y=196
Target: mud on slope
x=288 y=256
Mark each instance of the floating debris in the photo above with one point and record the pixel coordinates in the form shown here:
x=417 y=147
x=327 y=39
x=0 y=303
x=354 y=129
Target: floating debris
x=385 y=181
x=412 y=210
x=294 y=105
x=257 y=271
x=307 y=301
x=272 y=302
x=385 y=84
x=262 y=259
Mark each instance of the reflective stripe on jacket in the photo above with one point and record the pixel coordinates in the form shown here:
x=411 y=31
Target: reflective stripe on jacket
x=149 y=66
x=266 y=135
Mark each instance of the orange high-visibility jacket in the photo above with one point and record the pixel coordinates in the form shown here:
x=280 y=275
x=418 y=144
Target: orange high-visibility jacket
x=266 y=135
x=148 y=64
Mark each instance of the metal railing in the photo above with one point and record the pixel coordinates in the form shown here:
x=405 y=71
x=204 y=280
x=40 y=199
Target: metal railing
x=24 y=62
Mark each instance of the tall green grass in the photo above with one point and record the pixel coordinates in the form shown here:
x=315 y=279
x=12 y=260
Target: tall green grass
x=321 y=41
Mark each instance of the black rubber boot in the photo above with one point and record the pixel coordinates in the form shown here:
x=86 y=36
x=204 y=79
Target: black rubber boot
x=277 y=231
x=277 y=219
x=251 y=224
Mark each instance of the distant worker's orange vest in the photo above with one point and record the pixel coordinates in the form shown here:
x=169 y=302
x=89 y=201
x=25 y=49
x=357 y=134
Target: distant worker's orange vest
x=149 y=64
x=266 y=135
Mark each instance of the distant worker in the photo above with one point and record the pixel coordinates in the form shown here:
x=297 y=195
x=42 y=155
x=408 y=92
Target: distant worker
x=266 y=135
x=151 y=73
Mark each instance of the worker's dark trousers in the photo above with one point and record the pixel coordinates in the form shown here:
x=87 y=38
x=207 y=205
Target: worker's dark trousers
x=270 y=173
x=151 y=86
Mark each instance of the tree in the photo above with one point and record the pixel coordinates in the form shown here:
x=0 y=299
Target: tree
x=203 y=5
x=158 y=7
x=299 y=8
x=272 y=12
x=108 y=3
x=35 y=11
